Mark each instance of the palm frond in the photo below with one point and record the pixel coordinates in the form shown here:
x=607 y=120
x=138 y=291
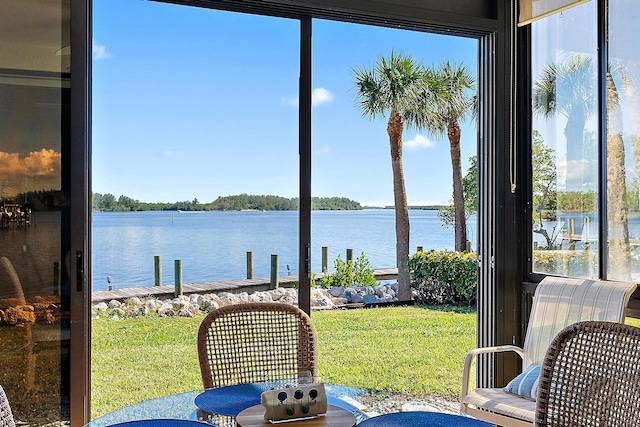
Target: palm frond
x=564 y=86
x=426 y=98
x=453 y=97
x=389 y=85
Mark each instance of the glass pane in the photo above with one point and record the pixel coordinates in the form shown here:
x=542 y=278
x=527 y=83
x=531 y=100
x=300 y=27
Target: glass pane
x=34 y=131
x=623 y=141
x=353 y=157
x=189 y=122
x=565 y=143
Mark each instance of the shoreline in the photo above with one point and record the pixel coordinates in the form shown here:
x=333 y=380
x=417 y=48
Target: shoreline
x=240 y=285
x=194 y=304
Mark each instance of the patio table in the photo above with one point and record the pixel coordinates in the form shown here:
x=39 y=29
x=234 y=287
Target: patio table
x=334 y=417
x=162 y=422
x=183 y=405
x=231 y=400
x=422 y=418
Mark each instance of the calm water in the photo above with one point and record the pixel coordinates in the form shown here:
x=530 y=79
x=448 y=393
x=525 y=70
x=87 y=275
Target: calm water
x=213 y=245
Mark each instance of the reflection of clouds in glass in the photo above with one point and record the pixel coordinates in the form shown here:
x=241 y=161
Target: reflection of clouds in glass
x=43 y=163
x=40 y=170
x=10 y=164
x=578 y=175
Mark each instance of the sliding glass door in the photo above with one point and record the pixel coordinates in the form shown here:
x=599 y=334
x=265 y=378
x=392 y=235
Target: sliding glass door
x=41 y=272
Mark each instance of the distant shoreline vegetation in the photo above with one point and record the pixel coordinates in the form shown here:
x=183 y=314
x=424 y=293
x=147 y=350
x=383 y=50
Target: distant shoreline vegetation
x=416 y=207
x=241 y=202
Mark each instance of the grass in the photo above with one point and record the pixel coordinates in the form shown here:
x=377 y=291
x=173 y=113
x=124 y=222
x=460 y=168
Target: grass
x=402 y=349
x=414 y=350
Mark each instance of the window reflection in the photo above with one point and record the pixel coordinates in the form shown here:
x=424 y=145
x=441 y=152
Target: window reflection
x=564 y=143
x=34 y=128
x=623 y=141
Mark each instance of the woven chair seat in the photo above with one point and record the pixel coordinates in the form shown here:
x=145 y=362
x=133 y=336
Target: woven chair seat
x=591 y=377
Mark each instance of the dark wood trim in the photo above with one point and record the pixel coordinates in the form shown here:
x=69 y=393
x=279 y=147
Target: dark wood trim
x=472 y=19
x=304 y=141
x=502 y=222
x=603 y=48
x=79 y=212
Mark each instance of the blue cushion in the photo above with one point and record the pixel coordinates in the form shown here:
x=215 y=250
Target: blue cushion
x=525 y=384
x=418 y=418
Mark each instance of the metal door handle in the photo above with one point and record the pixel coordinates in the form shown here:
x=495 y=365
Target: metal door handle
x=79 y=271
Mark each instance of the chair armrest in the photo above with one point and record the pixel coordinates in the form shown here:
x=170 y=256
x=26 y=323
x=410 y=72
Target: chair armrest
x=483 y=350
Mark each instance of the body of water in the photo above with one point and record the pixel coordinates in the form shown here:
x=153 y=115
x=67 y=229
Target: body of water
x=213 y=245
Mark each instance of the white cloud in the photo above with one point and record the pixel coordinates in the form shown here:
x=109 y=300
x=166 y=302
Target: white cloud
x=324 y=150
x=167 y=153
x=39 y=170
x=100 y=51
x=320 y=96
x=289 y=101
x=578 y=175
x=418 y=141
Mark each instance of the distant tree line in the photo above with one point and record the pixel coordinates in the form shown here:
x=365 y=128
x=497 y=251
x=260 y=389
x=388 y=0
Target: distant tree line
x=416 y=207
x=240 y=202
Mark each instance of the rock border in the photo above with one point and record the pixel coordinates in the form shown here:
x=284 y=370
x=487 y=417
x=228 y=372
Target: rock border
x=191 y=305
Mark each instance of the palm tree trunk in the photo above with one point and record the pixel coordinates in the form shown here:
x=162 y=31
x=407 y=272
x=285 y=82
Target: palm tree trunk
x=574 y=132
x=395 y=128
x=453 y=132
x=633 y=107
x=617 y=214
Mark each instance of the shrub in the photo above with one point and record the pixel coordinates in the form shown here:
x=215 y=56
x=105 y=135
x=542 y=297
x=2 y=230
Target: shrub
x=441 y=277
x=566 y=262
x=348 y=273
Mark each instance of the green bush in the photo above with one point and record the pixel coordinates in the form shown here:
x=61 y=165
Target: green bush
x=566 y=262
x=348 y=273
x=442 y=277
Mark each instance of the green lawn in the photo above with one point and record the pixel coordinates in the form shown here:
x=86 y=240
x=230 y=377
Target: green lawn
x=398 y=349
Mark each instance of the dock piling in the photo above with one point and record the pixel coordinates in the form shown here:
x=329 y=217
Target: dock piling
x=325 y=259
x=177 y=264
x=273 y=284
x=157 y=268
x=249 y=265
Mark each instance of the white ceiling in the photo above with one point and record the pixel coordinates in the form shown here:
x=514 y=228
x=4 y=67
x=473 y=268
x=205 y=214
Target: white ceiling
x=32 y=32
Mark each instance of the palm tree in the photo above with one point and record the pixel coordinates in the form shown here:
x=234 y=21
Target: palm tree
x=454 y=102
x=395 y=89
x=568 y=88
x=617 y=210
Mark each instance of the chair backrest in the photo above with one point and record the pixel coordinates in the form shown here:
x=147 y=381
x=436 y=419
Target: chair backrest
x=6 y=416
x=591 y=377
x=561 y=301
x=256 y=342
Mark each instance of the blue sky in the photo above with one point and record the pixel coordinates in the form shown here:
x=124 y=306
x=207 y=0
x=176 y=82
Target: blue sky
x=195 y=103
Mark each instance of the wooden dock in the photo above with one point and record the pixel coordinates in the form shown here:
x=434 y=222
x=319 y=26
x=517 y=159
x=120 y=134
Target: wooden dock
x=233 y=286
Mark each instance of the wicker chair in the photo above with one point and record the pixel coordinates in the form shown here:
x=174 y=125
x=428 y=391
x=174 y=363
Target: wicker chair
x=6 y=417
x=256 y=342
x=591 y=377
x=557 y=303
